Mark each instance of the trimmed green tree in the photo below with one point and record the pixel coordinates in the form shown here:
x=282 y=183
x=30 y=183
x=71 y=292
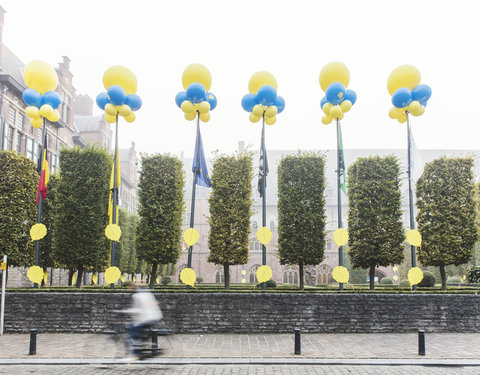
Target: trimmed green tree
x=230 y=211
x=446 y=213
x=127 y=255
x=81 y=209
x=301 y=210
x=18 y=211
x=47 y=251
x=375 y=227
x=160 y=210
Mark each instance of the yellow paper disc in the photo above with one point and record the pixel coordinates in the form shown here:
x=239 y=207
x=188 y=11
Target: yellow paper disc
x=244 y=272
x=112 y=274
x=264 y=235
x=340 y=236
x=395 y=277
x=414 y=237
x=191 y=236
x=38 y=231
x=45 y=276
x=415 y=275
x=35 y=274
x=94 y=278
x=134 y=278
x=340 y=274
x=188 y=276
x=113 y=232
x=122 y=278
x=74 y=278
x=264 y=273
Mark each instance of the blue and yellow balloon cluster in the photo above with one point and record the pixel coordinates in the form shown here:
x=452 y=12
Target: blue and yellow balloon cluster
x=262 y=100
x=120 y=97
x=408 y=95
x=41 y=97
x=196 y=80
x=334 y=79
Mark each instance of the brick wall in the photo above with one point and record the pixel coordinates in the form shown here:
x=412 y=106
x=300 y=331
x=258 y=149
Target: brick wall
x=256 y=312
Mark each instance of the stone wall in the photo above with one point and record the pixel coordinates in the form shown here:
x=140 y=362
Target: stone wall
x=255 y=312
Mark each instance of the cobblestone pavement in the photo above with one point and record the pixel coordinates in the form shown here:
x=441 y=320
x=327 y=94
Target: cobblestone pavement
x=238 y=370
x=365 y=346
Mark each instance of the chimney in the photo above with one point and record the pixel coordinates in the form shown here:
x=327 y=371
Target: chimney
x=66 y=62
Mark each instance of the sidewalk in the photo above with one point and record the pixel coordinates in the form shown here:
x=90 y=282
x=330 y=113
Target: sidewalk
x=252 y=348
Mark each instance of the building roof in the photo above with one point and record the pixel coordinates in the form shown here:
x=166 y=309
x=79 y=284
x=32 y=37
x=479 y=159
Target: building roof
x=89 y=123
x=12 y=65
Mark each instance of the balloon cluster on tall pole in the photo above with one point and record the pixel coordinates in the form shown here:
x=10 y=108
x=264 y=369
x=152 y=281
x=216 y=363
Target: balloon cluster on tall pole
x=43 y=101
x=409 y=96
x=263 y=103
x=338 y=100
x=196 y=102
x=120 y=99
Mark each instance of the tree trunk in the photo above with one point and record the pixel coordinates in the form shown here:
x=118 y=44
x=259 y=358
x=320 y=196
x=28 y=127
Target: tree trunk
x=153 y=275
x=226 y=273
x=78 y=283
x=300 y=275
x=70 y=276
x=42 y=284
x=372 y=277
x=443 y=277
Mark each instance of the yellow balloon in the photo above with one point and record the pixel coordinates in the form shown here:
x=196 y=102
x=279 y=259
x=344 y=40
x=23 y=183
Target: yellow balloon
x=94 y=278
x=395 y=112
x=264 y=273
x=35 y=274
x=403 y=76
x=110 y=109
x=340 y=274
x=402 y=118
x=121 y=76
x=40 y=76
x=270 y=120
x=326 y=108
x=415 y=275
x=113 y=232
x=32 y=112
x=414 y=237
x=334 y=72
x=258 y=110
x=264 y=235
x=197 y=73
x=336 y=111
x=415 y=108
x=190 y=116
x=46 y=110
x=124 y=110
x=204 y=117
x=327 y=119
x=271 y=111
x=260 y=79
x=254 y=118
x=112 y=274
x=54 y=116
x=130 y=118
x=340 y=236
x=191 y=236
x=204 y=107
x=38 y=231
x=110 y=119
x=187 y=106
x=188 y=276
x=36 y=122
x=346 y=105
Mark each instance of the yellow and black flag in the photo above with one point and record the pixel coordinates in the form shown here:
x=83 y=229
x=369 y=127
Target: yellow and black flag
x=114 y=187
x=43 y=171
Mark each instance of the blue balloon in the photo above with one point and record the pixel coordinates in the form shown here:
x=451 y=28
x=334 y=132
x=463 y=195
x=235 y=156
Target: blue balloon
x=351 y=95
x=102 y=100
x=280 y=104
x=53 y=98
x=421 y=93
x=32 y=97
x=249 y=101
x=116 y=94
x=323 y=102
x=196 y=92
x=402 y=97
x=266 y=95
x=335 y=93
x=134 y=102
x=180 y=98
x=212 y=99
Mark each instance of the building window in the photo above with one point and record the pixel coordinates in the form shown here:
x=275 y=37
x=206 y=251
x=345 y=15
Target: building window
x=37 y=151
x=252 y=276
x=19 y=142
x=19 y=121
x=1 y=133
x=65 y=105
x=11 y=116
x=29 y=145
x=219 y=275
x=255 y=245
x=254 y=225
x=324 y=273
x=290 y=275
x=272 y=226
x=329 y=245
x=8 y=143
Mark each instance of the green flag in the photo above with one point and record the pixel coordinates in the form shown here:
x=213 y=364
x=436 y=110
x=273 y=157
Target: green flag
x=341 y=161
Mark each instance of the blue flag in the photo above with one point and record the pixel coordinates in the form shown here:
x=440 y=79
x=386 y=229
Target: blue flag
x=199 y=167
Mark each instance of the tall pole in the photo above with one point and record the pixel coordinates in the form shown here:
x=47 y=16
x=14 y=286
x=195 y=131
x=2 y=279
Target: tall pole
x=410 y=193
x=339 y=198
x=264 y=188
x=194 y=188
x=115 y=189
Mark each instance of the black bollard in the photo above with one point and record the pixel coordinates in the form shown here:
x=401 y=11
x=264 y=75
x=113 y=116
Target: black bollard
x=421 y=342
x=298 y=349
x=33 y=342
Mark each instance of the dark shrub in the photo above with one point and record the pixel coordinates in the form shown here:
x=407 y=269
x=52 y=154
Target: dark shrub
x=428 y=280
x=473 y=276
x=386 y=281
x=166 y=280
x=404 y=284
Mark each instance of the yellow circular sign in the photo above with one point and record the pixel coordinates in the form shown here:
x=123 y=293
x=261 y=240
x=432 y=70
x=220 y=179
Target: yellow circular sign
x=113 y=232
x=264 y=235
x=188 y=276
x=414 y=237
x=264 y=273
x=340 y=236
x=38 y=231
x=415 y=275
x=35 y=274
x=191 y=236
x=340 y=274
x=112 y=274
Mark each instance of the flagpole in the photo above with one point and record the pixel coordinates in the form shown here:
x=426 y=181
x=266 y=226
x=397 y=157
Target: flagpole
x=194 y=186
x=339 y=198
x=114 y=191
x=264 y=198
x=410 y=192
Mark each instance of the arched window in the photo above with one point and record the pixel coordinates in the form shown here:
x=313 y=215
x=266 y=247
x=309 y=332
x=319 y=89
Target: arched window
x=255 y=245
x=219 y=275
x=252 y=277
x=324 y=272
x=290 y=275
x=272 y=225
x=254 y=225
x=180 y=271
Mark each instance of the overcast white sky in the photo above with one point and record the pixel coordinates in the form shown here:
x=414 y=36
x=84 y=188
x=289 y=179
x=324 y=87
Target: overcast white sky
x=291 y=39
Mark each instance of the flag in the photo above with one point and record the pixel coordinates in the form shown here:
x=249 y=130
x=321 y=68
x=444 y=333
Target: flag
x=43 y=171
x=341 y=161
x=199 y=167
x=112 y=187
x=416 y=162
x=263 y=158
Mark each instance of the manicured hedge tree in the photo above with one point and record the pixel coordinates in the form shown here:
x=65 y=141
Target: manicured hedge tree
x=301 y=210
x=18 y=211
x=161 y=207
x=375 y=226
x=446 y=213
x=81 y=209
x=128 y=253
x=230 y=211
